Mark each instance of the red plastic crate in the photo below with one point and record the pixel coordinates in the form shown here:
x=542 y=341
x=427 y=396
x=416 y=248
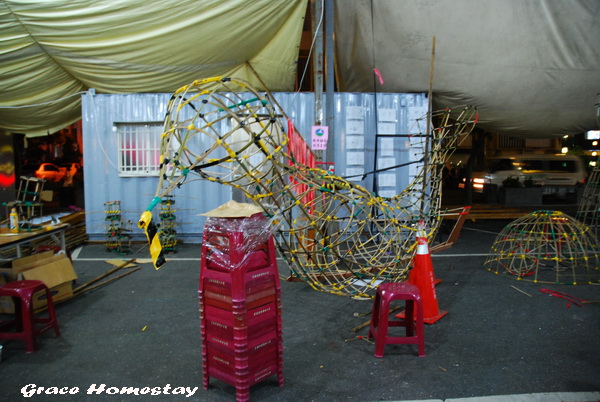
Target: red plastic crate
x=232 y=290
x=255 y=322
x=222 y=299
x=239 y=284
x=222 y=262
x=239 y=327
x=242 y=384
x=242 y=346
x=246 y=361
x=241 y=366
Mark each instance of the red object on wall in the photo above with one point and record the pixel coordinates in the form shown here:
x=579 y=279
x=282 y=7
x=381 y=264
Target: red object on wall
x=301 y=154
x=7 y=180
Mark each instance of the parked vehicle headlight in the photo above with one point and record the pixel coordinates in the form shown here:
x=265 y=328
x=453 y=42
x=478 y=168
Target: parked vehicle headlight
x=478 y=183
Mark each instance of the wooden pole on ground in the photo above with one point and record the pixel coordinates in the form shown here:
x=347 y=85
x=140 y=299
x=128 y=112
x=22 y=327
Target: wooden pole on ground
x=115 y=269
x=106 y=282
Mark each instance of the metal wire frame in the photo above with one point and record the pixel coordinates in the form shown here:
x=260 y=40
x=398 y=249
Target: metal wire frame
x=546 y=247
x=589 y=207
x=335 y=235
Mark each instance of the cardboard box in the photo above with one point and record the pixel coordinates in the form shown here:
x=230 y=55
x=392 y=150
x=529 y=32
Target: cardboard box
x=55 y=270
x=11 y=272
x=24 y=262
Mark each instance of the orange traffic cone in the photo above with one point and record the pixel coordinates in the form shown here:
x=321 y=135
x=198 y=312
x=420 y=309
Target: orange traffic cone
x=422 y=277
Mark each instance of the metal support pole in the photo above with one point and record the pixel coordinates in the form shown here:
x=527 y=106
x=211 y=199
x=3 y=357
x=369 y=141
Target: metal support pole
x=330 y=83
x=428 y=135
x=317 y=59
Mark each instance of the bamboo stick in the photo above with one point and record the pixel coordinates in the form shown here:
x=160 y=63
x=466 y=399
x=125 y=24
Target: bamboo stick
x=106 y=282
x=81 y=291
x=80 y=288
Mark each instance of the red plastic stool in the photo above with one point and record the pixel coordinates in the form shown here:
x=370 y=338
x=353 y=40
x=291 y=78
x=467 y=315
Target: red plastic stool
x=25 y=320
x=386 y=293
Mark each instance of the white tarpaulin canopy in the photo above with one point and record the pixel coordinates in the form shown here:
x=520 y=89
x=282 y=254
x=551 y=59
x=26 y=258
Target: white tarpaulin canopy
x=531 y=67
x=54 y=49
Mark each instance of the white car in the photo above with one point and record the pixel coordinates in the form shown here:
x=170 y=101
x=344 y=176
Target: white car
x=544 y=170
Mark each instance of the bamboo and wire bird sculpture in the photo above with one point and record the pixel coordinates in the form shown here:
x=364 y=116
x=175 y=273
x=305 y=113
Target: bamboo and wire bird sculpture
x=334 y=234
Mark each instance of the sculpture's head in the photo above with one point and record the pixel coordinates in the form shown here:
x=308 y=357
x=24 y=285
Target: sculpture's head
x=220 y=129
x=223 y=130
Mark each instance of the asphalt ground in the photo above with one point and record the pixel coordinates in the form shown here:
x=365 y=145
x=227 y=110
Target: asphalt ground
x=501 y=338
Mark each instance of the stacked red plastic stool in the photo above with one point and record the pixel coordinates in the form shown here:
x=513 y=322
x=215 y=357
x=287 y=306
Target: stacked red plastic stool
x=240 y=304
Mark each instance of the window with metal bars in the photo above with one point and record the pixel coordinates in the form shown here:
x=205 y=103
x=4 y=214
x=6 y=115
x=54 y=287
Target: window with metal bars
x=139 y=148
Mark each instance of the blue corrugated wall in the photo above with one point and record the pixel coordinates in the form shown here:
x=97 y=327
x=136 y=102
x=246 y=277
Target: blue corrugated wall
x=358 y=118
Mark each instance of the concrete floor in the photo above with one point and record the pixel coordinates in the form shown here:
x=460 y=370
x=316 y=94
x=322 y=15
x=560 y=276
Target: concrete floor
x=501 y=337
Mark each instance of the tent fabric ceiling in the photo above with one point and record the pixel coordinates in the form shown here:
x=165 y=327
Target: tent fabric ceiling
x=52 y=50
x=531 y=67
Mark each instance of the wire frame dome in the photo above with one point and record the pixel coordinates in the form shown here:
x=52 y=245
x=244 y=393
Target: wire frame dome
x=546 y=247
